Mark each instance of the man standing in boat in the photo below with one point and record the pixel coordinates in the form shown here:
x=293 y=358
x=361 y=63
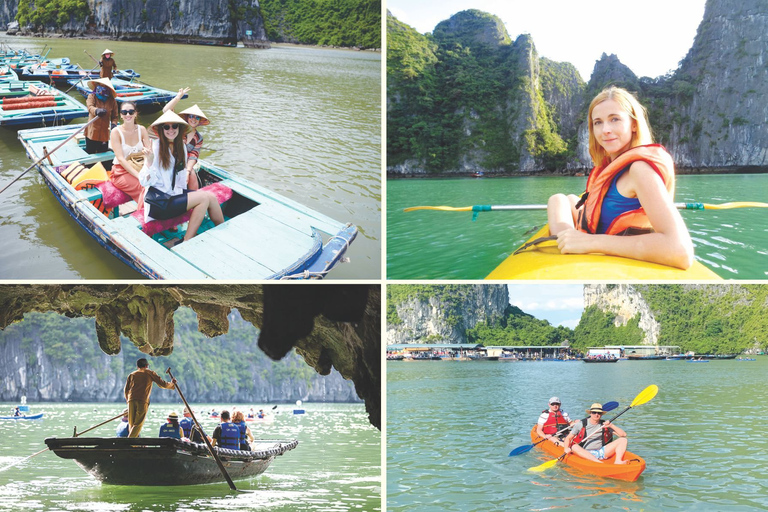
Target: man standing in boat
x=138 y=387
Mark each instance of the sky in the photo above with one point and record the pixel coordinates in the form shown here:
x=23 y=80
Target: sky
x=560 y=304
x=650 y=37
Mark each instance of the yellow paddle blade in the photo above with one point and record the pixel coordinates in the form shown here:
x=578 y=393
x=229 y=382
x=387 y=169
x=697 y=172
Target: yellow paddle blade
x=645 y=395
x=543 y=467
x=440 y=208
x=728 y=206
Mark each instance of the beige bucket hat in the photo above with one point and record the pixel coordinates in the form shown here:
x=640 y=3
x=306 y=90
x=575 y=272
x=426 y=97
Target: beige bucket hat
x=169 y=117
x=194 y=110
x=103 y=81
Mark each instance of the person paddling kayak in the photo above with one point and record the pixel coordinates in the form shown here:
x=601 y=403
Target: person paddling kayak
x=596 y=435
x=553 y=423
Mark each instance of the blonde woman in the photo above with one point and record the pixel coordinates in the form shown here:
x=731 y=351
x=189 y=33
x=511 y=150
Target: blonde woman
x=126 y=139
x=630 y=191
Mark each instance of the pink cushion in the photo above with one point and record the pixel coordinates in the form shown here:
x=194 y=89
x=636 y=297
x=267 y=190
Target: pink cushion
x=222 y=193
x=112 y=195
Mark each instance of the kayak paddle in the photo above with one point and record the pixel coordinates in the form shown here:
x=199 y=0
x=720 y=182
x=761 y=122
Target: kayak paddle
x=523 y=207
x=644 y=396
x=526 y=448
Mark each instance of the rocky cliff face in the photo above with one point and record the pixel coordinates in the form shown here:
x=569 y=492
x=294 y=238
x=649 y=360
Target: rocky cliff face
x=625 y=301
x=442 y=313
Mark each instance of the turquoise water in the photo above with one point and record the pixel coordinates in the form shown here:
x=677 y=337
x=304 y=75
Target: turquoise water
x=451 y=426
x=336 y=466
x=448 y=245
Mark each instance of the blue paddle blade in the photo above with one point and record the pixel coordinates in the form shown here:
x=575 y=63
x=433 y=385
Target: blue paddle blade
x=520 y=450
x=610 y=406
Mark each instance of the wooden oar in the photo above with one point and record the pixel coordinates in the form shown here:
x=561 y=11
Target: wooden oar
x=205 y=438
x=48 y=154
x=526 y=448
x=645 y=396
x=76 y=434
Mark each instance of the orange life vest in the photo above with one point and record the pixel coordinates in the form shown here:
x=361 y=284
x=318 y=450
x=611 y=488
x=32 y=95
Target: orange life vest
x=554 y=423
x=632 y=222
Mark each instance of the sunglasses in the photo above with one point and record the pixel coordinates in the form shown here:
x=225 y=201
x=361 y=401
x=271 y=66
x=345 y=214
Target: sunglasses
x=595 y=412
x=191 y=116
x=174 y=126
x=128 y=112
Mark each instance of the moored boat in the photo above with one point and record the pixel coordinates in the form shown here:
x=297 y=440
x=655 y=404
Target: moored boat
x=146 y=97
x=23 y=417
x=630 y=471
x=544 y=261
x=600 y=360
x=264 y=235
x=61 y=75
x=163 y=460
x=36 y=103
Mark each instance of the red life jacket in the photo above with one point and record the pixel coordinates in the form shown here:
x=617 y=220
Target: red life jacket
x=632 y=222
x=606 y=434
x=553 y=423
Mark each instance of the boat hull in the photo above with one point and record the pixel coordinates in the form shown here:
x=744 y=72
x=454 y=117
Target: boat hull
x=27 y=417
x=544 y=261
x=630 y=471
x=147 y=98
x=161 y=461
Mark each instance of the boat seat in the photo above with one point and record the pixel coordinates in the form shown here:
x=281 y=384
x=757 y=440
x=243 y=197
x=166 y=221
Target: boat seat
x=222 y=192
x=112 y=195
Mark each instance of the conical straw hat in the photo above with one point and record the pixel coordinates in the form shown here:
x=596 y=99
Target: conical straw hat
x=107 y=51
x=168 y=117
x=195 y=111
x=103 y=81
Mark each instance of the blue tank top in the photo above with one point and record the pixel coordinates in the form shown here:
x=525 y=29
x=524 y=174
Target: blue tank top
x=614 y=204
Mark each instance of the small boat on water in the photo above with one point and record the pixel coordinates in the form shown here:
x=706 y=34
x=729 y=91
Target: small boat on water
x=23 y=417
x=146 y=97
x=746 y=359
x=163 y=460
x=35 y=104
x=264 y=235
x=7 y=73
x=544 y=261
x=630 y=471
x=600 y=360
x=61 y=75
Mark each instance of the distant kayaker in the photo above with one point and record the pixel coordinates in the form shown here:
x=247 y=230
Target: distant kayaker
x=17 y=412
x=107 y=63
x=137 y=390
x=554 y=423
x=227 y=434
x=123 y=427
x=630 y=191
x=601 y=445
x=171 y=427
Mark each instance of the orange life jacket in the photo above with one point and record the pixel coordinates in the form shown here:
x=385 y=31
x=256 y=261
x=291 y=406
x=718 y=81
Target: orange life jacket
x=554 y=423
x=632 y=222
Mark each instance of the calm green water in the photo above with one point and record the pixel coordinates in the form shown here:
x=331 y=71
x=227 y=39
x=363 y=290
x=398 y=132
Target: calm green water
x=304 y=122
x=448 y=245
x=337 y=465
x=451 y=426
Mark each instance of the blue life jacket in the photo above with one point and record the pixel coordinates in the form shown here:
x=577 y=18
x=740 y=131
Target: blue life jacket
x=168 y=430
x=122 y=429
x=230 y=436
x=243 y=439
x=186 y=426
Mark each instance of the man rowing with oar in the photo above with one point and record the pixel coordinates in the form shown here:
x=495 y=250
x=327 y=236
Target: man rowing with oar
x=138 y=387
x=598 y=445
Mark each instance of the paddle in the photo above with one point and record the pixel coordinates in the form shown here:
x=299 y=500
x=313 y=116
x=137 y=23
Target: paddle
x=645 y=396
x=205 y=438
x=526 y=448
x=48 y=154
x=476 y=209
x=75 y=435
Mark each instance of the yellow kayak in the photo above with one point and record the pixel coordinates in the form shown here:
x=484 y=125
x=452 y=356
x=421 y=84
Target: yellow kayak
x=544 y=261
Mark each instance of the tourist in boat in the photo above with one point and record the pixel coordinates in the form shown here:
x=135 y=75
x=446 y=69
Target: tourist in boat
x=138 y=388
x=630 y=191
x=226 y=434
x=261 y=414
x=165 y=170
x=190 y=430
x=107 y=63
x=122 y=427
x=101 y=103
x=171 y=428
x=245 y=432
x=17 y=412
x=553 y=423
x=128 y=142
x=601 y=445
x=251 y=414
x=193 y=139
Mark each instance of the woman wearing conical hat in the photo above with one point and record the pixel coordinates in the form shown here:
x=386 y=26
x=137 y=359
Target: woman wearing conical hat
x=101 y=103
x=165 y=170
x=107 y=63
x=193 y=139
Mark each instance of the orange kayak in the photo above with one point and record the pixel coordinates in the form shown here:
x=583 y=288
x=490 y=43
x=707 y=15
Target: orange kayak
x=607 y=469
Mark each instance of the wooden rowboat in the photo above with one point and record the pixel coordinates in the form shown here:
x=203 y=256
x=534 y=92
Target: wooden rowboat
x=60 y=76
x=162 y=460
x=146 y=97
x=21 y=106
x=23 y=417
x=264 y=235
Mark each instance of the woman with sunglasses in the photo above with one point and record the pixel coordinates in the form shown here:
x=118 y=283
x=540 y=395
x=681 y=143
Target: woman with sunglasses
x=596 y=435
x=193 y=139
x=165 y=169
x=127 y=139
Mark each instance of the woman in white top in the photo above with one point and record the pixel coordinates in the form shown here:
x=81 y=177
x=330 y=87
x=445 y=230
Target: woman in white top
x=165 y=170
x=126 y=139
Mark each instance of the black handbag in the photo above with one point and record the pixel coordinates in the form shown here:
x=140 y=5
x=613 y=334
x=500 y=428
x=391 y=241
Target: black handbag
x=159 y=199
